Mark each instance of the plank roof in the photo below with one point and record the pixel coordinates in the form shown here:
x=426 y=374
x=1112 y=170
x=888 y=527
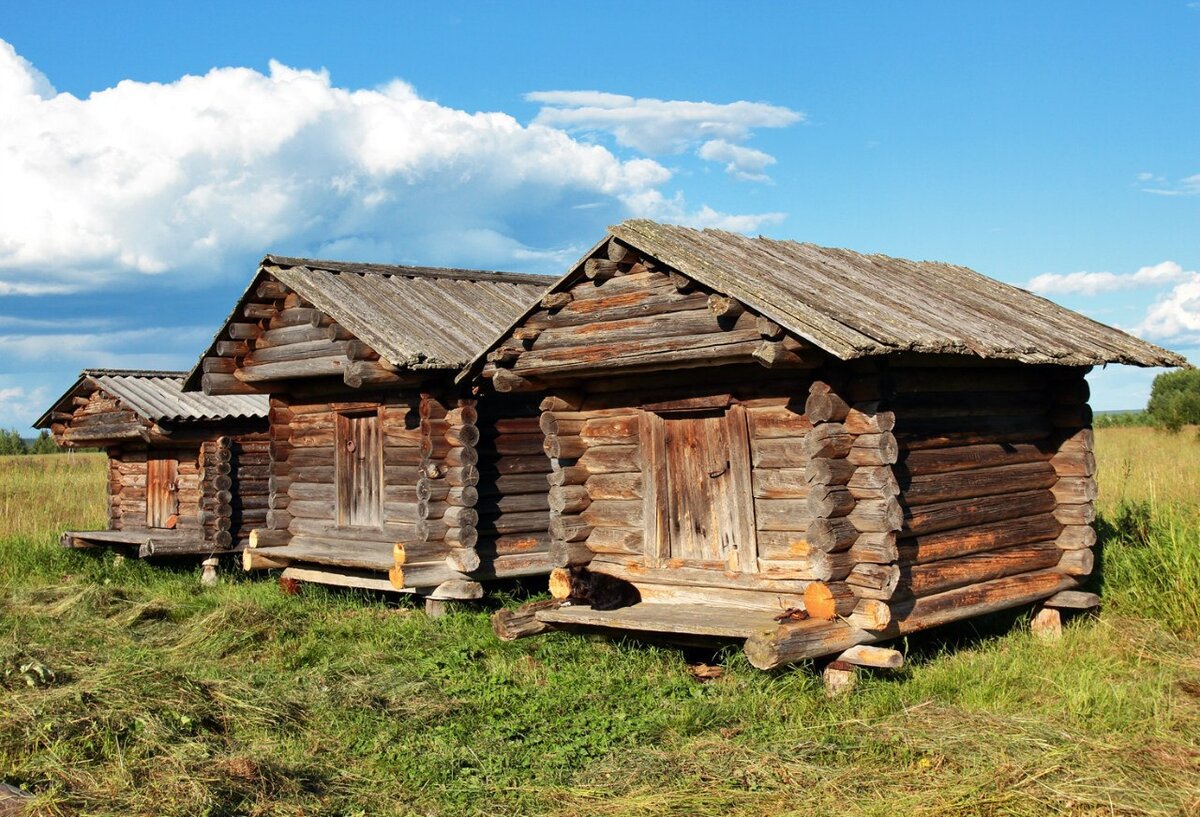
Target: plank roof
x=158 y=396
x=414 y=317
x=854 y=305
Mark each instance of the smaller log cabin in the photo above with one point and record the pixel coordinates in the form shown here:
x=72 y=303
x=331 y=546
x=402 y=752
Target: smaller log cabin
x=806 y=448
x=187 y=473
x=386 y=475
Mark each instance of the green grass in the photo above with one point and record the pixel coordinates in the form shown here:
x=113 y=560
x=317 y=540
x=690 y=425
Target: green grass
x=127 y=689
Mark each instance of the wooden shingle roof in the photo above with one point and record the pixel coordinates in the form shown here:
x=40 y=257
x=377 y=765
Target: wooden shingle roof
x=855 y=305
x=414 y=317
x=158 y=397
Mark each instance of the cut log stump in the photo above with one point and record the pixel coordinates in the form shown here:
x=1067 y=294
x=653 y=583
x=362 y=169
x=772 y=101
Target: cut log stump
x=1047 y=624
x=840 y=678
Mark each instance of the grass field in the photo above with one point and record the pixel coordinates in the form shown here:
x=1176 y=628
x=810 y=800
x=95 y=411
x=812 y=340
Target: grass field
x=127 y=689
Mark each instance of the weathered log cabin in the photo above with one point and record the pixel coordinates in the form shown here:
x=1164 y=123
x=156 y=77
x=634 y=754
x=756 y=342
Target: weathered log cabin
x=187 y=473
x=386 y=475
x=806 y=448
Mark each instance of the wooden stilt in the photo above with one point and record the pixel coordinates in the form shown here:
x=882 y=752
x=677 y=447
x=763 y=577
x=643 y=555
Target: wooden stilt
x=436 y=608
x=1047 y=624
x=840 y=678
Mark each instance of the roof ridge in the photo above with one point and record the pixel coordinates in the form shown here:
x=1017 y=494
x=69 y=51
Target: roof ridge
x=408 y=271
x=169 y=373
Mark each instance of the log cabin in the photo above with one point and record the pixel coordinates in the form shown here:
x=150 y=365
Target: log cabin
x=187 y=473
x=804 y=448
x=386 y=475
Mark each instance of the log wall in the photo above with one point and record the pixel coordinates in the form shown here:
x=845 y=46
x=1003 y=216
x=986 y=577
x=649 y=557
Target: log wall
x=513 y=503
x=463 y=498
x=965 y=474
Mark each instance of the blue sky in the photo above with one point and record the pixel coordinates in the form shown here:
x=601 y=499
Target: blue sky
x=149 y=156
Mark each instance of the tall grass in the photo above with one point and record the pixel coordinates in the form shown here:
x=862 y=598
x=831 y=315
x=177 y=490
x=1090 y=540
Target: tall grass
x=127 y=689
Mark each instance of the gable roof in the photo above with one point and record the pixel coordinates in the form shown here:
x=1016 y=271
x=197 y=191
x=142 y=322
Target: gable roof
x=414 y=317
x=855 y=305
x=157 y=396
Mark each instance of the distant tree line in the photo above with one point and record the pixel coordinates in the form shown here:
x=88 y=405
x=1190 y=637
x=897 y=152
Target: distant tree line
x=11 y=442
x=1174 y=403
x=1175 y=399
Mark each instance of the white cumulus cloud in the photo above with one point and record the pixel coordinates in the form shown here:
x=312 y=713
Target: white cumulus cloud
x=1094 y=283
x=740 y=162
x=657 y=126
x=179 y=178
x=1176 y=315
x=19 y=405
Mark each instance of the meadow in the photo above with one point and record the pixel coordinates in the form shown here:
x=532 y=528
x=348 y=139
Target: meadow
x=128 y=689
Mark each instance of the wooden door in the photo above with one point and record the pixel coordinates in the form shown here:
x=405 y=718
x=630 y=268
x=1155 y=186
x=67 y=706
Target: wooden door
x=162 y=492
x=704 y=502
x=359 y=470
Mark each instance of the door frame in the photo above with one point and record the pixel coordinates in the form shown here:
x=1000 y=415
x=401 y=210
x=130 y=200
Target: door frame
x=655 y=486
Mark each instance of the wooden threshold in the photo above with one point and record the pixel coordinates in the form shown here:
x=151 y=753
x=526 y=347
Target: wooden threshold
x=676 y=619
x=171 y=542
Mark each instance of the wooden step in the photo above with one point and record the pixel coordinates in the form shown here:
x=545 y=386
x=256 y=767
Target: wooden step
x=678 y=619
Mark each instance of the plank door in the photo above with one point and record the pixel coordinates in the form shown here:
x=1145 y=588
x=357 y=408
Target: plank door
x=705 y=503
x=162 y=492
x=359 y=470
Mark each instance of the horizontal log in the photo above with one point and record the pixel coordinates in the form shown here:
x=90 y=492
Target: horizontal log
x=649 y=328
x=569 y=499
x=863 y=655
x=700 y=350
x=874 y=449
x=1077 y=562
x=875 y=547
x=970 y=512
x=869 y=418
x=935 y=577
x=877 y=515
x=779 y=453
x=831 y=535
x=962 y=458
x=608 y=459
x=1084 y=514
x=828 y=441
x=823 y=405
x=515 y=522
x=615 y=540
x=870 y=614
x=1074 y=537
x=829 y=472
x=930 y=488
x=771 y=422
x=285 y=370
x=826 y=501
x=1075 y=490
x=781 y=483
x=613 y=513
x=515 y=544
x=873 y=482
x=566 y=448
x=782 y=514
x=941 y=434
x=1074 y=463
x=962 y=541
x=828 y=600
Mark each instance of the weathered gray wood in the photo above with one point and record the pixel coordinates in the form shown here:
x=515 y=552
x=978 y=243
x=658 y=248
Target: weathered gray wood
x=678 y=619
